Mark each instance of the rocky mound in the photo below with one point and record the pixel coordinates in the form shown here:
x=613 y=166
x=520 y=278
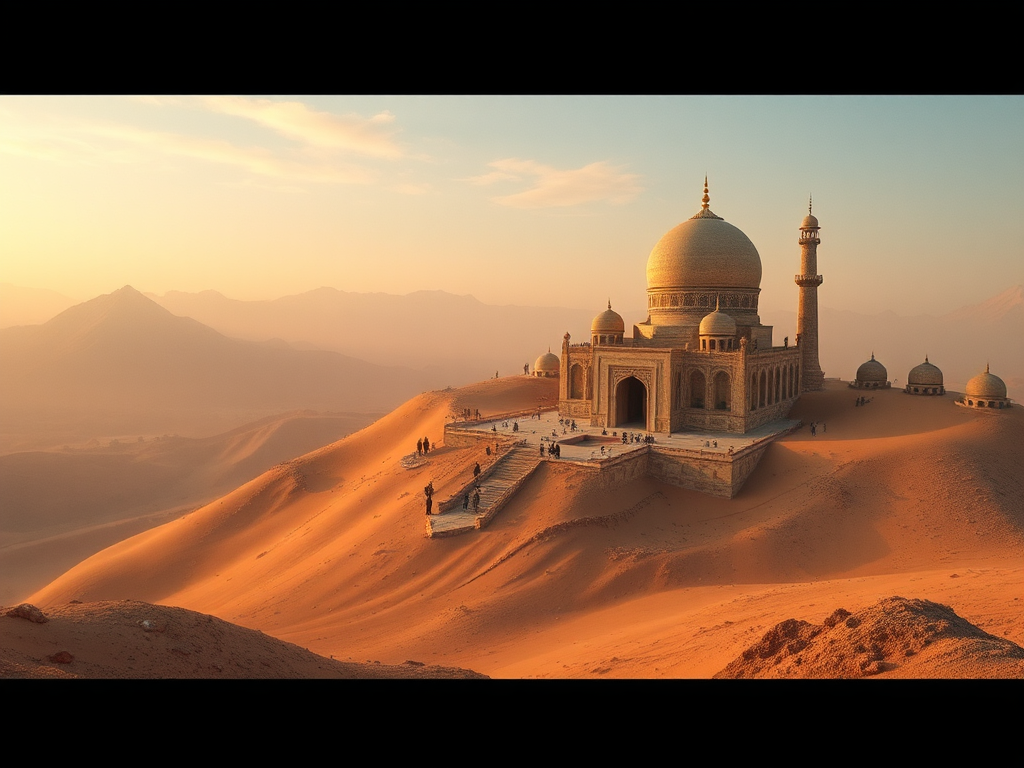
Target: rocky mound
x=129 y=639
x=896 y=637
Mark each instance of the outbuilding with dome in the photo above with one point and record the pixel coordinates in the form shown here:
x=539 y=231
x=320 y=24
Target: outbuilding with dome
x=871 y=375
x=925 y=379
x=986 y=390
x=547 y=366
x=702 y=358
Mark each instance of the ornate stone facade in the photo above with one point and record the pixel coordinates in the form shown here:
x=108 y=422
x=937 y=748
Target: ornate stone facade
x=702 y=359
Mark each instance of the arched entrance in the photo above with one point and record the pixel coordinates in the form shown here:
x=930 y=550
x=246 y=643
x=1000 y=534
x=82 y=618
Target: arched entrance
x=631 y=403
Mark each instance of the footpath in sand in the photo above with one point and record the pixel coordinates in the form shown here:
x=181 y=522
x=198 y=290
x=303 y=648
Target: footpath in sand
x=908 y=496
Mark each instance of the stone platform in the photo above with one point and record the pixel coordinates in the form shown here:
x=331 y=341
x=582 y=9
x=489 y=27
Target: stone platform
x=710 y=462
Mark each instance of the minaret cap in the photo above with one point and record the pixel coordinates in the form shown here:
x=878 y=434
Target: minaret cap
x=810 y=220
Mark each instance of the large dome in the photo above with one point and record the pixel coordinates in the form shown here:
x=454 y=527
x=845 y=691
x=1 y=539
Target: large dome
x=704 y=252
x=925 y=374
x=986 y=385
x=872 y=370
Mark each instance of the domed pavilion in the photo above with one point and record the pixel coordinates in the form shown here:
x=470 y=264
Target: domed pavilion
x=986 y=390
x=547 y=366
x=871 y=375
x=702 y=358
x=924 y=379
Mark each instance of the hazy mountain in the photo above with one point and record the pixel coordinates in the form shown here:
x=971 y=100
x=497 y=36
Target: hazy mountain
x=459 y=335
x=29 y=306
x=124 y=356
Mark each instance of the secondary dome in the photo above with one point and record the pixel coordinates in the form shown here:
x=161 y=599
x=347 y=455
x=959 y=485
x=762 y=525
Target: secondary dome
x=986 y=385
x=925 y=374
x=608 y=321
x=872 y=371
x=547 y=364
x=704 y=251
x=810 y=220
x=717 y=324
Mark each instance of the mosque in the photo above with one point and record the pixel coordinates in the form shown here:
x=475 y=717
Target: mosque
x=702 y=359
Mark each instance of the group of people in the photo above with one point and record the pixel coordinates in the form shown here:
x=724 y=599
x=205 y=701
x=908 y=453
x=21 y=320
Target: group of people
x=636 y=437
x=863 y=400
x=476 y=500
x=554 y=450
x=814 y=428
x=471 y=413
x=710 y=443
x=569 y=424
x=422 y=447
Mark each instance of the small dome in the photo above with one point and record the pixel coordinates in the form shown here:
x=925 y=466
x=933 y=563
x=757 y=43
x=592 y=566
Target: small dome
x=547 y=363
x=986 y=385
x=872 y=370
x=608 y=321
x=925 y=374
x=810 y=221
x=717 y=324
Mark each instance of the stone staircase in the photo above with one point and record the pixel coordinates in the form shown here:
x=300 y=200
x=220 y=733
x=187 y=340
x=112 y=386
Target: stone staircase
x=496 y=488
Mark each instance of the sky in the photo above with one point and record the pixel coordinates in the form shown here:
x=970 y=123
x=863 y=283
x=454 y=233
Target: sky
x=527 y=200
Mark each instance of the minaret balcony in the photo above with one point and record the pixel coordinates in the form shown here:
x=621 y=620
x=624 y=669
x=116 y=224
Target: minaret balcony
x=805 y=281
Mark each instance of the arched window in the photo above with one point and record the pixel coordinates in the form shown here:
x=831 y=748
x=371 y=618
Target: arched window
x=698 y=385
x=576 y=387
x=723 y=391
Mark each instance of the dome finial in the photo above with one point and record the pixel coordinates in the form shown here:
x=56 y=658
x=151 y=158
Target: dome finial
x=872 y=355
x=609 y=303
x=926 y=357
x=809 y=205
x=986 y=367
x=705 y=200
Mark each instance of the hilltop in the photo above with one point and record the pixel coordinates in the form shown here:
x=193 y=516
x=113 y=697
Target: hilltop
x=905 y=495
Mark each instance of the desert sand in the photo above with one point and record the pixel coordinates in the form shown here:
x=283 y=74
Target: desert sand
x=908 y=496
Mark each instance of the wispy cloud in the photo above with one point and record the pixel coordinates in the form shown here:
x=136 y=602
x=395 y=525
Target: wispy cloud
x=552 y=188
x=318 y=147
x=373 y=136
x=256 y=160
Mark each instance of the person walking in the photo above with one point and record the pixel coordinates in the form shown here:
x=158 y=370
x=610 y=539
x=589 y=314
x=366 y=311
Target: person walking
x=426 y=445
x=476 y=470
x=419 y=447
x=465 y=502
x=476 y=501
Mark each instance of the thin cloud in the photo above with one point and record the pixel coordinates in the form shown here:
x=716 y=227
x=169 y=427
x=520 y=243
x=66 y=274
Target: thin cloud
x=371 y=136
x=553 y=188
x=255 y=160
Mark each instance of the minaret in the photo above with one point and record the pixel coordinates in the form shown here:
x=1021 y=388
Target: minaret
x=812 y=379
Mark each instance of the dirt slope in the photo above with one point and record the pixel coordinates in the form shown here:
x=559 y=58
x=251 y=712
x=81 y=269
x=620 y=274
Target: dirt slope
x=895 y=637
x=127 y=639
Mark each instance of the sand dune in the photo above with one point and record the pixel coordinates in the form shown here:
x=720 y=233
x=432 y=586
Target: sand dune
x=905 y=495
x=136 y=640
x=60 y=507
